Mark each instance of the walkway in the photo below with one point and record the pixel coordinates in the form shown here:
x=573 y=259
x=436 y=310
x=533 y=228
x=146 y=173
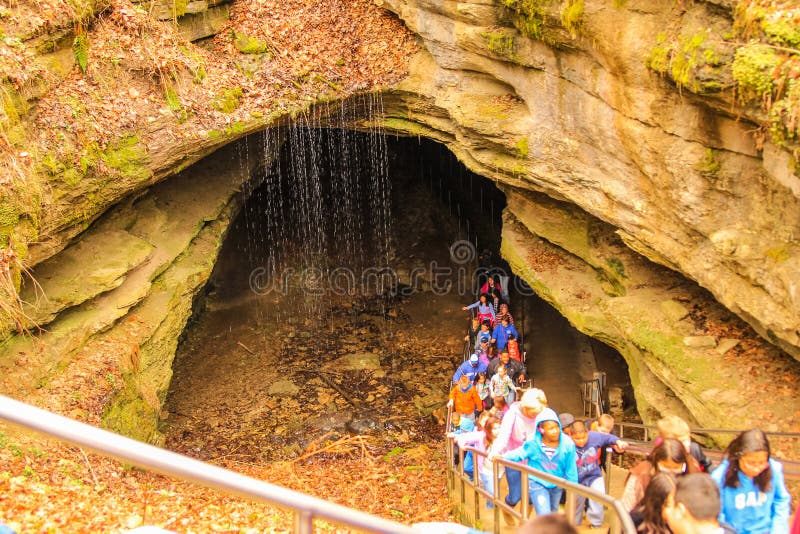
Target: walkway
x=559 y=356
x=618 y=476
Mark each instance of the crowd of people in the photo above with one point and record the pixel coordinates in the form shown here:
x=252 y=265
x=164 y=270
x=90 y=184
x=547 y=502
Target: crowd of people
x=676 y=489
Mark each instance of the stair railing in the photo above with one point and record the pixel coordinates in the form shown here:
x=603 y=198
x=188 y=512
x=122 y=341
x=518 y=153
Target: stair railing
x=458 y=483
x=306 y=508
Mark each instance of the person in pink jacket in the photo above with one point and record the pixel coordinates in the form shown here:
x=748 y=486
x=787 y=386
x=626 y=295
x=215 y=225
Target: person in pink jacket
x=519 y=423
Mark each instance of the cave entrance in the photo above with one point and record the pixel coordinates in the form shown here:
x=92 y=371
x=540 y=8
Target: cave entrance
x=353 y=253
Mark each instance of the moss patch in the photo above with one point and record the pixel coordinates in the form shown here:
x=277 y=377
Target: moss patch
x=709 y=166
x=248 y=45
x=228 y=99
x=692 y=61
x=529 y=16
x=129 y=157
x=501 y=42
x=572 y=16
x=753 y=70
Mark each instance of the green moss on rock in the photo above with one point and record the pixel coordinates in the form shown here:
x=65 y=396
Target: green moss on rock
x=129 y=157
x=753 y=69
x=249 y=45
x=228 y=99
x=529 y=16
x=572 y=16
x=501 y=42
x=692 y=61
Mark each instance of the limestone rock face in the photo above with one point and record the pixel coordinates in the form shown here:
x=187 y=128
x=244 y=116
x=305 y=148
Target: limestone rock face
x=126 y=289
x=662 y=324
x=582 y=119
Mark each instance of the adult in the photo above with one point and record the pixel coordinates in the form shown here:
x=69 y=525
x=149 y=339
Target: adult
x=517 y=426
x=470 y=369
x=519 y=422
x=670 y=456
x=485 y=309
x=694 y=505
x=514 y=369
x=754 y=496
x=464 y=399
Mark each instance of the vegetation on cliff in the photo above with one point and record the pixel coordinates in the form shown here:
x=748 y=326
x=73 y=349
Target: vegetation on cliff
x=90 y=88
x=756 y=62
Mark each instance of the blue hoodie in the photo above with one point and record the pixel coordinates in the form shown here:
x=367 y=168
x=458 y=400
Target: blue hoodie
x=750 y=510
x=501 y=334
x=563 y=463
x=467 y=368
x=589 y=456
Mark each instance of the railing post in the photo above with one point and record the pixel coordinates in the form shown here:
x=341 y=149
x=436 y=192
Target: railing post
x=475 y=492
x=303 y=522
x=613 y=522
x=463 y=484
x=525 y=508
x=495 y=493
x=569 y=505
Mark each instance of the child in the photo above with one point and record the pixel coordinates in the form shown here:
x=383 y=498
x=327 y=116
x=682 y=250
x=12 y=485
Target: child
x=501 y=385
x=500 y=407
x=603 y=424
x=501 y=333
x=513 y=348
x=464 y=399
x=670 y=456
x=550 y=451
x=648 y=516
x=459 y=425
x=485 y=309
x=486 y=470
x=503 y=312
x=754 y=497
x=483 y=390
x=588 y=446
x=472 y=332
x=483 y=335
x=674 y=427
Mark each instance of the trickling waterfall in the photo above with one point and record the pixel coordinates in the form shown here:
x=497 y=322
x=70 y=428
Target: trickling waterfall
x=318 y=218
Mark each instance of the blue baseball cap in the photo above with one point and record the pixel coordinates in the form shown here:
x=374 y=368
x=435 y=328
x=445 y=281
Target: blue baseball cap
x=473 y=359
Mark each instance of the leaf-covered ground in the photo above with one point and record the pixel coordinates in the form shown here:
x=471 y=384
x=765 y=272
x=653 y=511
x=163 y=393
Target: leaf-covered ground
x=395 y=471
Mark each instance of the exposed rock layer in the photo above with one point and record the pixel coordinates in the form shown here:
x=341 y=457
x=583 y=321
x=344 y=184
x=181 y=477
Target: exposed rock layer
x=585 y=121
x=637 y=170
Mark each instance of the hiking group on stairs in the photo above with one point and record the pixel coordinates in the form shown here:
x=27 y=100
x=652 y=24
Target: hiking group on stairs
x=674 y=490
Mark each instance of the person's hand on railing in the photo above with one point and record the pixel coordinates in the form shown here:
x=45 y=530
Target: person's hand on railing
x=620 y=446
x=450 y=403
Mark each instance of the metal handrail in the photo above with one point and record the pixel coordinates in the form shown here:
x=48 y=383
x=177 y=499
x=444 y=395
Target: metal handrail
x=151 y=458
x=620 y=521
x=791 y=468
x=622 y=425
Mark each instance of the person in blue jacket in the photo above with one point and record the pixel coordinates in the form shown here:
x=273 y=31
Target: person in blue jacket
x=589 y=446
x=754 y=496
x=501 y=333
x=469 y=368
x=551 y=451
